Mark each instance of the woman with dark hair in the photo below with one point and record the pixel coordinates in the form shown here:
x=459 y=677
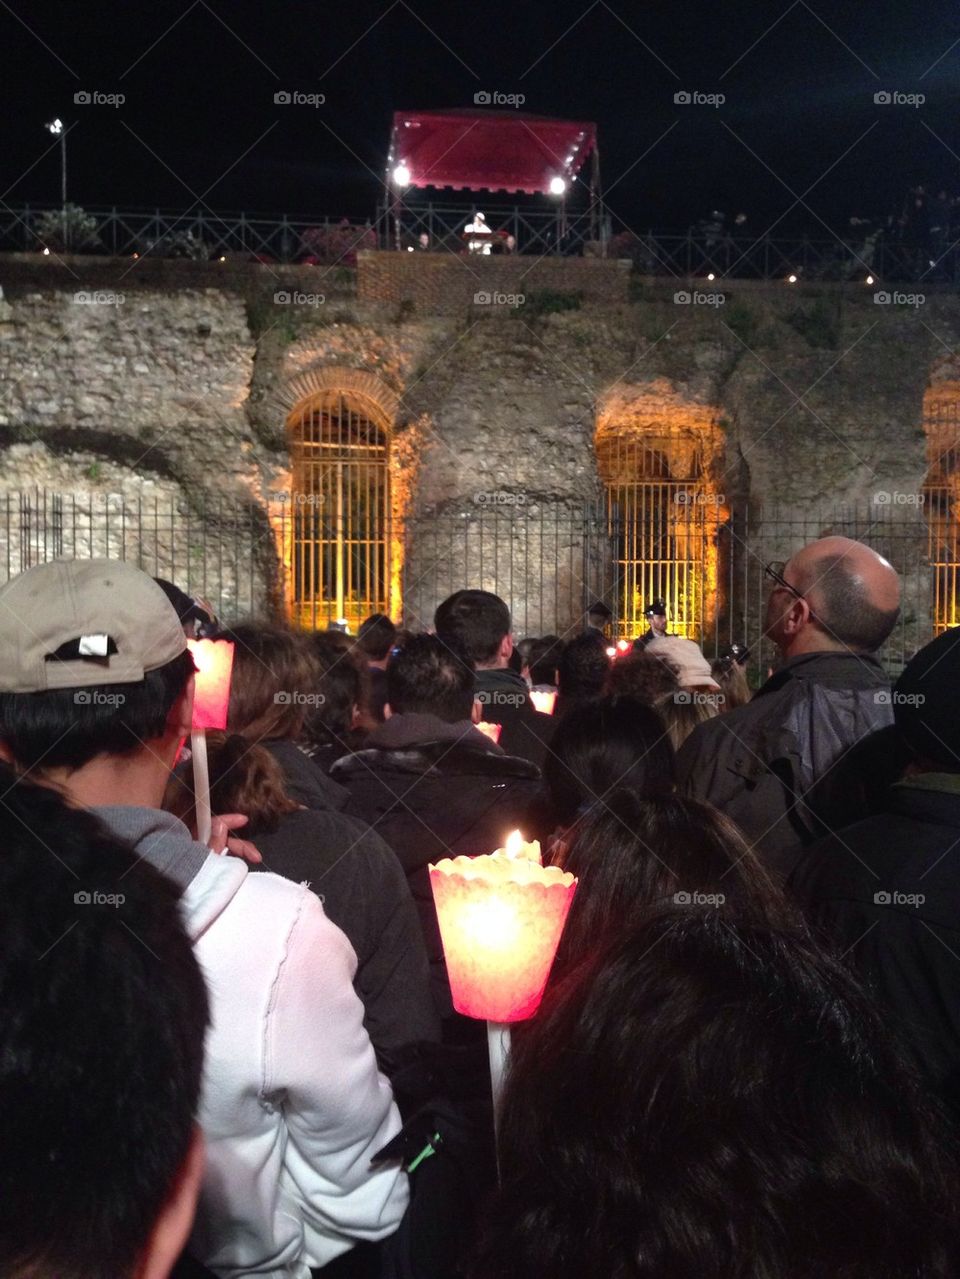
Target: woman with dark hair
x=632 y=855
x=338 y=719
x=716 y=1100
x=274 y=683
x=600 y=746
x=350 y=868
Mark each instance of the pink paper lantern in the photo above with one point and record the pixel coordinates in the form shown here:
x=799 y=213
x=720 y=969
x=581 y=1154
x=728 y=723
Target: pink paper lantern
x=544 y=700
x=500 y=921
x=211 y=694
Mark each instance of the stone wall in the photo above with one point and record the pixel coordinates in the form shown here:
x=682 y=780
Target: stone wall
x=180 y=390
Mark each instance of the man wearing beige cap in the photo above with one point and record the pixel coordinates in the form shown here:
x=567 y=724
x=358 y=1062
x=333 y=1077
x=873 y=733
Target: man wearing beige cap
x=96 y=697
x=806 y=754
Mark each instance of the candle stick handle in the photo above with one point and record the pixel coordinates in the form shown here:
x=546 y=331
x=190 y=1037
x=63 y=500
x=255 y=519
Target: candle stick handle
x=498 y=1046
x=201 y=784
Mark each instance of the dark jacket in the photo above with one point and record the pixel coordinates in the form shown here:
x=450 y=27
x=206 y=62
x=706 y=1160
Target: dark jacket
x=505 y=700
x=364 y=892
x=378 y=692
x=304 y=779
x=804 y=756
x=887 y=891
x=434 y=789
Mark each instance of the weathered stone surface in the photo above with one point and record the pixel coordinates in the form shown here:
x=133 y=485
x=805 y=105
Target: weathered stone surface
x=809 y=400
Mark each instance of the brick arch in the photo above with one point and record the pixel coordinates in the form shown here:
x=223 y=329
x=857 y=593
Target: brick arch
x=373 y=395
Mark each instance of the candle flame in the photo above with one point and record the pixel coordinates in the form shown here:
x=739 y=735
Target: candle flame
x=516 y=848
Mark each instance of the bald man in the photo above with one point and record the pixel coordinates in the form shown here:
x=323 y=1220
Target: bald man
x=809 y=752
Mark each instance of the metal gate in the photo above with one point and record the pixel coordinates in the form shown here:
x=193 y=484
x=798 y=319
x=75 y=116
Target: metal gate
x=941 y=491
x=340 y=506
x=660 y=508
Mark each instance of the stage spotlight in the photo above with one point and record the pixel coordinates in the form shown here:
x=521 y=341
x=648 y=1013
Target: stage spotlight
x=557 y=186
x=791 y=279
x=401 y=175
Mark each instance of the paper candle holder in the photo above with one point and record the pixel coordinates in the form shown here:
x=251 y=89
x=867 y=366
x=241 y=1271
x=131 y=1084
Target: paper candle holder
x=211 y=693
x=544 y=700
x=500 y=921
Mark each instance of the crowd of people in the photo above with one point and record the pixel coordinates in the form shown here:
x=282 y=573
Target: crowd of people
x=240 y=1056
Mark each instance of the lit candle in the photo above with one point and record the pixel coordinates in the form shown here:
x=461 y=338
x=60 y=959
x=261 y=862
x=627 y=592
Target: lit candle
x=544 y=700
x=500 y=920
x=517 y=846
x=211 y=699
x=211 y=691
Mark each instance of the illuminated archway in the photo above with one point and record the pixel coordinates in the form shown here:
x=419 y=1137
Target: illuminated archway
x=656 y=456
x=941 y=500
x=339 y=539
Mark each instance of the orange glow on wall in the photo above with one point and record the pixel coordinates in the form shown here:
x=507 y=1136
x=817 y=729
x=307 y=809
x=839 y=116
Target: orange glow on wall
x=500 y=920
x=211 y=695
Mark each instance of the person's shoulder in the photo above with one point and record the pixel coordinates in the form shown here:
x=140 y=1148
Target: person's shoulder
x=728 y=724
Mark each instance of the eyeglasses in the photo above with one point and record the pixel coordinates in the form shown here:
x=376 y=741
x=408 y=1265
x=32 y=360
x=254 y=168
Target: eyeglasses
x=774 y=570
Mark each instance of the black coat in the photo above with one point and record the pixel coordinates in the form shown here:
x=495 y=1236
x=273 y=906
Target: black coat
x=364 y=892
x=807 y=755
x=505 y=700
x=862 y=887
x=444 y=791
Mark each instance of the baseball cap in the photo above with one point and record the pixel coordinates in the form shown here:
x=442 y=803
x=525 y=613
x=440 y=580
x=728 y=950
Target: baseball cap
x=685 y=659
x=656 y=607
x=120 y=621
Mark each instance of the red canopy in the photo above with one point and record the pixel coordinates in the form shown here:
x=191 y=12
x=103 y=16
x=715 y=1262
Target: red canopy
x=489 y=150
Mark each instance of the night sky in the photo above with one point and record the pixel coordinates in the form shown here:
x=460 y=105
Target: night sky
x=199 y=120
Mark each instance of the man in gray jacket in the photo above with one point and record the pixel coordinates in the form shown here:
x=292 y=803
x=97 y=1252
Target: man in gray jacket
x=806 y=754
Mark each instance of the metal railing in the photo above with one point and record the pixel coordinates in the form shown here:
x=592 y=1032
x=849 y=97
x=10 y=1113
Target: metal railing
x=439 y=227
x=198 y=234
x=547 y=560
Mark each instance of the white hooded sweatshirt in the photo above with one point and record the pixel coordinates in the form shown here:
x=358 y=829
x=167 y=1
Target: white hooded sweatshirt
x=293 y=1106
